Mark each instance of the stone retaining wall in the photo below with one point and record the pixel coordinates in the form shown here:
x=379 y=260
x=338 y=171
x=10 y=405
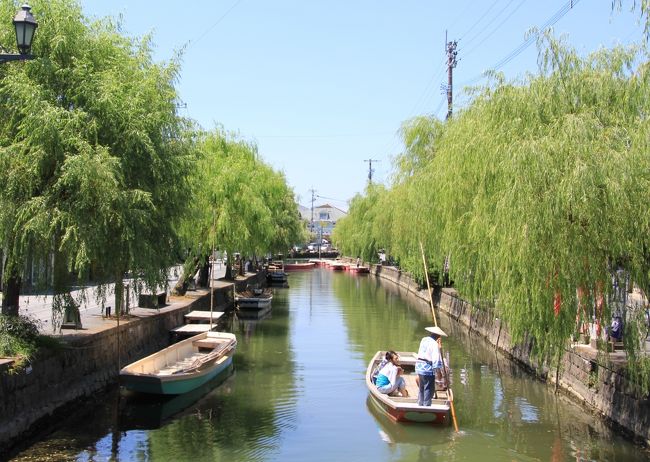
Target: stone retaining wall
x=597 y=382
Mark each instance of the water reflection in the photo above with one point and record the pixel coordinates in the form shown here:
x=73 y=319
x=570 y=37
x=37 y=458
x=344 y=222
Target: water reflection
x=141 y=411
x=297 y=392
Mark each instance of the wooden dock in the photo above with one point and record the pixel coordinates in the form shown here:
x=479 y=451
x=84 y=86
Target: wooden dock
x=202 y=316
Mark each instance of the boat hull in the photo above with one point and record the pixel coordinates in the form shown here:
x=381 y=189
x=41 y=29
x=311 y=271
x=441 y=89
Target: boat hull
x=153 y=385
x=299 y=266
x=277 y=277
x=253 y=303
x=404 y=415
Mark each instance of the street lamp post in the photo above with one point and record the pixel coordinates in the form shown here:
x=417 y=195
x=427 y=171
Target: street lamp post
x=25 y=25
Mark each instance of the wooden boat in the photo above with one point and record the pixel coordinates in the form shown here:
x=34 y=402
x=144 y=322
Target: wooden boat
x=254 y=299
x=299 y=265
x=358 y=269
x=403 y=409
x=275 y=273
x=182 y=366
x=337 y=266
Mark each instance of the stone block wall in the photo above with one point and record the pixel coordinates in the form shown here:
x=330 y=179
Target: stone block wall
x=85 y=365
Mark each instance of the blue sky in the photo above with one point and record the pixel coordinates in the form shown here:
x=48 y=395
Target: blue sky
x=321 y=86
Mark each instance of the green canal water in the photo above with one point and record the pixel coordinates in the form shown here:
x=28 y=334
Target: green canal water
x=297 y=392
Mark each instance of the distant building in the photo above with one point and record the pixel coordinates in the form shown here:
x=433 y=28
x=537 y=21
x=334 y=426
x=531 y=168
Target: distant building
x=325 y=215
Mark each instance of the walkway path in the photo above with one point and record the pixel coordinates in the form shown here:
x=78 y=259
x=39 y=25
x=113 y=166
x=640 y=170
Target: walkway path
x=39 y=307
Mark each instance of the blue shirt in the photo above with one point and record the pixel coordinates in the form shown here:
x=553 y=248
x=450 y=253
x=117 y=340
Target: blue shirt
x=382 y=380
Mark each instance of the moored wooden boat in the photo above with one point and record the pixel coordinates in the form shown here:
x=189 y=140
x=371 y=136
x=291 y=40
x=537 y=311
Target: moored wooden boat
x=358 y=269
x=182 y=366
x=275 y=273
x=254 y=298
x=406 y=409
x=337 y=265
x=298 y=266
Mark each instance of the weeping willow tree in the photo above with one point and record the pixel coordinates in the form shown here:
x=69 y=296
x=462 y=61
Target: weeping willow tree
x=356 y=234
x=536 y=190
x=93 y=157
x=240 y=204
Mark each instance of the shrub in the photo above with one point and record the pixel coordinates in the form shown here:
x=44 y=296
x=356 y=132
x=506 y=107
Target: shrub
x=19 y=338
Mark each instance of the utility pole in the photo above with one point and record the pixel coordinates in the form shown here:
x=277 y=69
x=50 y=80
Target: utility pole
x=450 y=48
x=311 y=225
x=370 y=169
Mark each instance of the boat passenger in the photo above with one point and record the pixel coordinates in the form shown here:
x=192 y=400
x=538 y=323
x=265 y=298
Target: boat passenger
x=380 y=366
x=389 y=378
x=358 y=261
x=429 y=359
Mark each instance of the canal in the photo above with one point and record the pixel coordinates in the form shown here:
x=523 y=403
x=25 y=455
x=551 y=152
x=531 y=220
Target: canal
x=297 y=392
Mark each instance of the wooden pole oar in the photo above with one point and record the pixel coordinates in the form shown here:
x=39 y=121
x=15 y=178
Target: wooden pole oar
x=212 y=268
x=450 y=395
x=426 y=275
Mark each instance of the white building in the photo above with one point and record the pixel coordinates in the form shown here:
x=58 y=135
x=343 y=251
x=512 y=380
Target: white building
x=324 y=216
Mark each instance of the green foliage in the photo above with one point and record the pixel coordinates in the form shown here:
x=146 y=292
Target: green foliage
x=93 y=157
x=18 y=338
x=636 y=332
x=240 y=204
x=535 y=190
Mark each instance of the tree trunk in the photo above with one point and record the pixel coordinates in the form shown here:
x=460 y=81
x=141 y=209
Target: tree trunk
x=229 y=274
x=183 y=282
x=119 y=294
x=11 y=294
x=204 y=275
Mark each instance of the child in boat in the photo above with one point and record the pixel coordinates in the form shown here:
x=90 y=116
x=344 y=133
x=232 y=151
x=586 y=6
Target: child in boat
x=389 y=378
x=380 y=366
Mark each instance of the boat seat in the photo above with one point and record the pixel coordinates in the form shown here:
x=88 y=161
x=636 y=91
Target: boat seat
x=402 y=399
x=206 y=343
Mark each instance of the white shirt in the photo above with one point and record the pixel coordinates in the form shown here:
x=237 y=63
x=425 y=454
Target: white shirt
x=429 y=351
x=390 y=371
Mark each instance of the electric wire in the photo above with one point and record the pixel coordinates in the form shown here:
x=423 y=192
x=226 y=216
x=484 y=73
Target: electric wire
x=221 y=18
x=479 y=20
x=568 y=6
x=331 y=199
x=478 y=34
x=497 y=28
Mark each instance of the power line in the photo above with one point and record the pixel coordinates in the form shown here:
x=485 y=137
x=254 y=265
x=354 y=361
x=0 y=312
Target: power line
x=332 y=199
x=479 y=20
x=478 y=34
x=498 y=27
x=568 y=6
x=207 y=31
x=427 y=88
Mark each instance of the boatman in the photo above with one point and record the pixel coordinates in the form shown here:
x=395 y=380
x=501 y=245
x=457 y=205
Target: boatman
x=429 y=359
